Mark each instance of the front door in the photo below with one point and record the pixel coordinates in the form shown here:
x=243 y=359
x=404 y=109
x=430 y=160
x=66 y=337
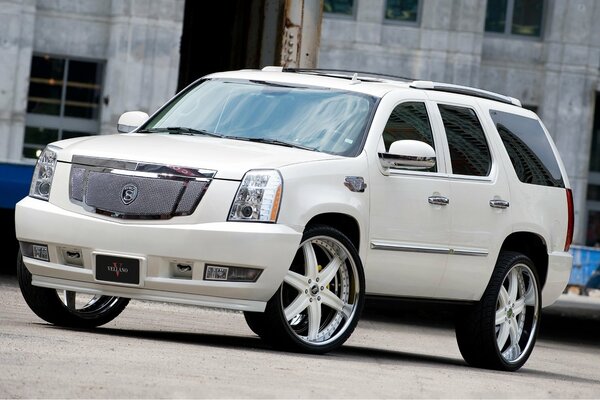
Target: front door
x=409 y=224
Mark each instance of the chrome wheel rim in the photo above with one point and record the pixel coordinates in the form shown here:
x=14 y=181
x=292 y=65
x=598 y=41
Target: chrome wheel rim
x=320 y=293
x=86 y=305
x=517 y=313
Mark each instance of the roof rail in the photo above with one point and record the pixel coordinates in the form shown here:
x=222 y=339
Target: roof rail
x=417 y=84
x=447 y=87
x=340 y=73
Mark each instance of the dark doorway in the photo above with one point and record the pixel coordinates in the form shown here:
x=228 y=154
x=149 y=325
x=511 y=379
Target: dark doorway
x=227 y=35
x=593 y=189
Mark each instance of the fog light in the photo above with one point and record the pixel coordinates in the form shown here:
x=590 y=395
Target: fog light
x=34 y=250
x=231 y=274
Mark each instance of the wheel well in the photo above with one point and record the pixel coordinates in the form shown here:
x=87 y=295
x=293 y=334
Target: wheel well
x=342 y=222
x=533 y=247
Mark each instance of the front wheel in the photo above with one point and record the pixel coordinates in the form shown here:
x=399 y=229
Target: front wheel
x=65 y=307
x=499 y=332
x=319 y=303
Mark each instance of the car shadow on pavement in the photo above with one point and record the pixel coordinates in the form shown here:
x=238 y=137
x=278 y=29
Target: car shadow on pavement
x=567 y=327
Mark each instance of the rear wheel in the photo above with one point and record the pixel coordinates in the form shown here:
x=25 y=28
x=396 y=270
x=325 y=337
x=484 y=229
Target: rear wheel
x=65 y=307
x=499 y=332
x=319 y=303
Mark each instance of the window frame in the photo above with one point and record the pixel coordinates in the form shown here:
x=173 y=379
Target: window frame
x=340 y=16
x=417 y=23
x=446 y=146
x=431 y=129
x=510 y=7
x=438 y=141
x=60 y=122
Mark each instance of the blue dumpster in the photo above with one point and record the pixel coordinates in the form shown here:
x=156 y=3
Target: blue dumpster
x=586 y=267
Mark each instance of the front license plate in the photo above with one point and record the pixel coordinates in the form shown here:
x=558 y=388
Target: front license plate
x=117 y=269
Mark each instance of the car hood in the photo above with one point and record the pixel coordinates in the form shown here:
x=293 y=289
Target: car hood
x=230 y=158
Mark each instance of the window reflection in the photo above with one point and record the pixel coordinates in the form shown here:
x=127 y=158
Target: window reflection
x=516 y=17
x=469 y=150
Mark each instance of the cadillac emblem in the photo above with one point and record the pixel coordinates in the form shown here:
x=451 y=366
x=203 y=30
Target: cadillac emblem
x=129 y=193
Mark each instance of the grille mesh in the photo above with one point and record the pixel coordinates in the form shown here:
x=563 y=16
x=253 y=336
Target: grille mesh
x=111 y=193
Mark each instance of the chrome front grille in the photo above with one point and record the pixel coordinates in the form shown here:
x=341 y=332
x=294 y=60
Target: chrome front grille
x=125 y=189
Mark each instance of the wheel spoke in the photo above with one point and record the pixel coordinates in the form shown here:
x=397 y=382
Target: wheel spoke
x=503 y=297
x=70 y=299
x=500 y=316
x=296 y=280
x=327 y=274
x=314 y=320
x=513 y=284
x=297 y=306
x=519 y=306
x=310 y=260
x=512 y=352
x=330 y=299
x=503 y=335
x=530 y=295
x=514 y=332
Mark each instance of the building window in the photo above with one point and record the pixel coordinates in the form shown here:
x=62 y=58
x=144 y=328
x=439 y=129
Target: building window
x=339 y=7
x=402 y=10
x=63 y=101
x=516 y=17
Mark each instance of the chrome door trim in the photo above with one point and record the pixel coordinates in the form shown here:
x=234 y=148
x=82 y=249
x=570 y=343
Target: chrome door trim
x=383 y=245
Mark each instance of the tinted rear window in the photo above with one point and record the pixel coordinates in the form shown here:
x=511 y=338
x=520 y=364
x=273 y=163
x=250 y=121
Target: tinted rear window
x=529 y=150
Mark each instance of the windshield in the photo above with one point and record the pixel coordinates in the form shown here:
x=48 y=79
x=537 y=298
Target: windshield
x=326 y=120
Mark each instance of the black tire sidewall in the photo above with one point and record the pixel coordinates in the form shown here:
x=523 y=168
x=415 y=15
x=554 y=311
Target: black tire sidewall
x=475 y=331
x=46 y=304
x=517 y=258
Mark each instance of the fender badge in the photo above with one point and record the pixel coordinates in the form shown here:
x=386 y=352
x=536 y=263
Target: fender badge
x=355 y=183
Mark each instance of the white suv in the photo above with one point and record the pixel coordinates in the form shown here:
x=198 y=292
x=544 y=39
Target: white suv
x=292 y=194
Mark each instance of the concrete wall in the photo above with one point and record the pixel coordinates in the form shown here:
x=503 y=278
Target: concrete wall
x=137 y=39
x=558 y=73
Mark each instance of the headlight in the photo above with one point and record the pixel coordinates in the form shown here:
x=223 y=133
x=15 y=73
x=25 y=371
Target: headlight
x=43 y=174
x=258 y=197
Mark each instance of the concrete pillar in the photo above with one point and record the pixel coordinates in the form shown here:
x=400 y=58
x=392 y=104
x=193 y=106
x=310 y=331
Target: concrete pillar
x=143 y=56
x=17 y=19
x=572 y=62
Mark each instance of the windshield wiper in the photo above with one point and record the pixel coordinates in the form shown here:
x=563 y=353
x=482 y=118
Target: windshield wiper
x=180 y=130
x=272 y=141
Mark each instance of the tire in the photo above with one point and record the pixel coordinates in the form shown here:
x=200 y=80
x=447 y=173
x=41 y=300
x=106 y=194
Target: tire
x=256 y=322
x=499 y=332
x=67 y=308
x=319 y=303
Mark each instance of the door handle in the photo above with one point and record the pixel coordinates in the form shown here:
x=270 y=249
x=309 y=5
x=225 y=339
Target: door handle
x=498 y=203
x=438 y=200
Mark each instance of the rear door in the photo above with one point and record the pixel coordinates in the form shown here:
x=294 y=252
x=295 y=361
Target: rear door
x=479 y=197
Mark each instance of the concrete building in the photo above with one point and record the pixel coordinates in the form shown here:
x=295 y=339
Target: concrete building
x=71 y=67
x=549 y=59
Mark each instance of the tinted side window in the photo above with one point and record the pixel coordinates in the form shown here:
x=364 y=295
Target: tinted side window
x=529 y=150
x=408 y=121
x=468 y=148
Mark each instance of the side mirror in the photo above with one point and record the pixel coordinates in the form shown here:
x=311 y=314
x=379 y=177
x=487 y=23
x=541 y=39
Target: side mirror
x=408 y=154
x=130 y=120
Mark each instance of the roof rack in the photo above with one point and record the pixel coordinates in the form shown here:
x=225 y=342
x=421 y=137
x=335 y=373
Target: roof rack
x=342 y=73
x=417 y=84
x=448 y=87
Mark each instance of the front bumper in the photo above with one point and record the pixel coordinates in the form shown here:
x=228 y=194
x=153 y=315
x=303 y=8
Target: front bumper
x=159 y=247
